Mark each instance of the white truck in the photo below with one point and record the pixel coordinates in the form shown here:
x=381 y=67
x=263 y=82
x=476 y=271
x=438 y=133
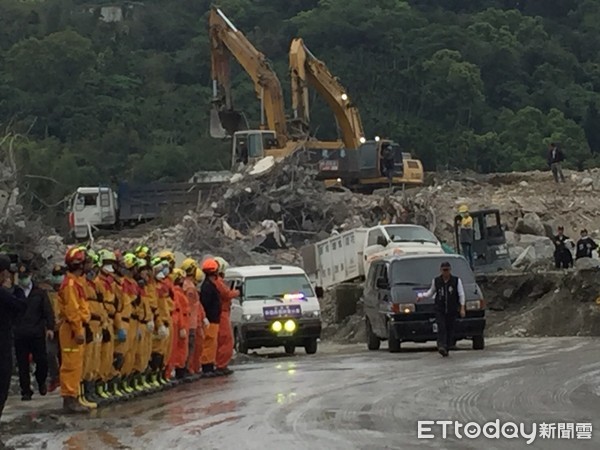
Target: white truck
x=347 y=256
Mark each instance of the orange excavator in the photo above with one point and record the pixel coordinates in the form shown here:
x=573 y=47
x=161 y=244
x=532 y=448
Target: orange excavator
x=357 y=163
x=272 y=138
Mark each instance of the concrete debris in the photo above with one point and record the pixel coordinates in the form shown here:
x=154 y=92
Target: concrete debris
x=530 y=223
x=262 y=166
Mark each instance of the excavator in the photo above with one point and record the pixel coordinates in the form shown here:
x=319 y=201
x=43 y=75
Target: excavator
x=358 y=164
x=272 y=138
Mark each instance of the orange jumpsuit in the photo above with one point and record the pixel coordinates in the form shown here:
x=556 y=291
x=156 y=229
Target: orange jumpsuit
x=74 y=313
x=93 y=339
x=105 y=286
x=181 y=321
x=144 y=314
x=130 y=321
x=163 y=317
x=196 y=318
x=225 y=336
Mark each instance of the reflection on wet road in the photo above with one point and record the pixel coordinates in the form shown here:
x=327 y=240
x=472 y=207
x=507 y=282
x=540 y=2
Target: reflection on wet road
x=348 y=398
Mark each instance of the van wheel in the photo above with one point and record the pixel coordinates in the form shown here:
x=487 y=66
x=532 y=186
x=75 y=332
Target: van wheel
x=478 y=342
x=310 y=347
x=240 y=344
x=290 y=349
x=373 y=342
x=394 y=343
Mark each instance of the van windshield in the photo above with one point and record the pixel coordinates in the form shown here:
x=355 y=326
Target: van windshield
x=276 y=286
x=421 y=271
x=410 y=234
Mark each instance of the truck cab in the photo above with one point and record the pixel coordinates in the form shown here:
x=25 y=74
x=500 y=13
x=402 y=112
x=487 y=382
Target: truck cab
x=92 y=206
x=395 y=313
x=277 y=306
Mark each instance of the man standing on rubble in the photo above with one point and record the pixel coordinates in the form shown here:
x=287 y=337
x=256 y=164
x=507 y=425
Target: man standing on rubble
x=585 y=245
x=466 y=234
x=12 y=304
x=562 y=255
x=555 y=159
x=449 y=303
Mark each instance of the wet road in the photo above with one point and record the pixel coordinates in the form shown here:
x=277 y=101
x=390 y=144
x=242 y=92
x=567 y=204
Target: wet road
x=348 y=398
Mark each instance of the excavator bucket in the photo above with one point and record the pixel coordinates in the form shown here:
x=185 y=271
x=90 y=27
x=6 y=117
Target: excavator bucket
x=224 y=123
x=216 y=127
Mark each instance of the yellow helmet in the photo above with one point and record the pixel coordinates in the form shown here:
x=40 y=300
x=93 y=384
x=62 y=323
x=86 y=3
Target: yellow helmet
x=463 y=209
x=177 y=275
x=189 y=266
x=105 y=255
x=167 y=255
x=129 y=260
x=223 y=265
x=142 y=251
x=199 y=276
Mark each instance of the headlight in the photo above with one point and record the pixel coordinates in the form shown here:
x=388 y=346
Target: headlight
x=289 y=326
x=407 y=308
x=276 y=326
x=473 y=305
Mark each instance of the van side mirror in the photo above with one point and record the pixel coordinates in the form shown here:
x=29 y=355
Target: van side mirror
x=382 y=283
x=382 y=240
x=320 y=292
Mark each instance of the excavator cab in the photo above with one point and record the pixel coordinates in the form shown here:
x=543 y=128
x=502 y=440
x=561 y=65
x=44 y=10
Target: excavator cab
x=249 y=146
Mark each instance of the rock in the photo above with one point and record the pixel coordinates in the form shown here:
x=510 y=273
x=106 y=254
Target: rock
x=275 y=207
x=514 y=252
x=530 y=223
x=523 y=183
x=544 y=247
x=236 y=177
x=507 y=293
x=511 y=238
x=587 y=264
x=586 y=182
x=262 y=166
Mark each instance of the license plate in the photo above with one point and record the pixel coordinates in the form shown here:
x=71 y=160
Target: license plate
x=279 y=311
x=284 y=333
x=328 y=165
x=434 y=326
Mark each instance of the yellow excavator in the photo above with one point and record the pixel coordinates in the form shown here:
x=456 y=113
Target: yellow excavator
x=272 y=138
x=357 y=163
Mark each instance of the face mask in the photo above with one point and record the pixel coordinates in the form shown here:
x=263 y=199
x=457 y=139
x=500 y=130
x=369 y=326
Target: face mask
x=24 y=282
x=165 y=272
x=57 y=280
x=108 y=268
x=90 y=275
x=160 y=276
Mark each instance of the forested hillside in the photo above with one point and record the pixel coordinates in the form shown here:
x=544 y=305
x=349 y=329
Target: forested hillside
x=476 y=84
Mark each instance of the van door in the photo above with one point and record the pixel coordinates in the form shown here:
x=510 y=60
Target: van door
x=236 y=303
x=373 y=249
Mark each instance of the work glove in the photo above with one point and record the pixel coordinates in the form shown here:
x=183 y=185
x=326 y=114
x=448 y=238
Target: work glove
x=206 y=322
x=182 y=334
x=150 y=326
x=121 y=335
x=98 y=338
x=163 y=332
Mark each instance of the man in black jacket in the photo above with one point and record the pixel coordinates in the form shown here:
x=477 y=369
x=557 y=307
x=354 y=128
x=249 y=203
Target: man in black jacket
x=555 y=159
x=449 y=303
x=31 y=331
x=585 y=246
x=211 y=302
x=12 y=304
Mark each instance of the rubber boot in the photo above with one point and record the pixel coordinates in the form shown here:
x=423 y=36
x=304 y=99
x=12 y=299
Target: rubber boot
x=208 y=371
x=83 y=401
x=72 y=405
x=102 y=391
x=137 y=383
x=126 y=385
x=154 y=381
x=146 y=381
x=113 y=387
x=162 y=379
x=90 y=393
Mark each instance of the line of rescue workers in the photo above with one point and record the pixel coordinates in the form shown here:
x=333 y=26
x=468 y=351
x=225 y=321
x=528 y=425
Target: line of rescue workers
x=133 y=323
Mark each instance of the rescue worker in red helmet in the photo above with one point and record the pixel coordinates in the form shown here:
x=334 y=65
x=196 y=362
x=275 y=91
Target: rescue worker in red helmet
x=74 y=314
x=210 y=299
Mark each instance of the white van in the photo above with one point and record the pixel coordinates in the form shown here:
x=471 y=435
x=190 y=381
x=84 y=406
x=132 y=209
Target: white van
x=277 y=307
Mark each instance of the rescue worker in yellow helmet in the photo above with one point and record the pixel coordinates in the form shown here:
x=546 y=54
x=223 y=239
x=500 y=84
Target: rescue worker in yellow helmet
x=131 y=299
x=181 y=322
x=145 y=311
x=162 y=320
x=189 y=267
x=466 y=234
x=143 y=252
x=194 y=363
x=74 y=313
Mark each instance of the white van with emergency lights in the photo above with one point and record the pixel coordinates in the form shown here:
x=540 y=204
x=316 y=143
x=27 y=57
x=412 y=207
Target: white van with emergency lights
x=277 y=306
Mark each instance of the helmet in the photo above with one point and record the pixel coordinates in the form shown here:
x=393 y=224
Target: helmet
x=75 y=256
x=156 y=262
x=463 y=209
x=189 y=266
x=129 y=260
x=199 y=275
x=167 y=255
x=177 y=274
x=58 y=270
x=223 y=265
x=210 y=266
x=142 y=251
x=106 y=256
x=93 y=256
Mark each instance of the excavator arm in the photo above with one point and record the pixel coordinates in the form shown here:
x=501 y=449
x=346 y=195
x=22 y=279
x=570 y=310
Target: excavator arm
x=306 y=69
x=227 y=40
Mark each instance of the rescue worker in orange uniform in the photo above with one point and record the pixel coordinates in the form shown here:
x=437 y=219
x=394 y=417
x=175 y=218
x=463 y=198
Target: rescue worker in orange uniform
x=93 y=332
x=189 y=267
x=130 y=300
x=210 y=299
x=225 y=338
x=110 y=361
x=201 y=322
x=74 y=313
x=162 y=320
x=145 y=315
x=181 y=323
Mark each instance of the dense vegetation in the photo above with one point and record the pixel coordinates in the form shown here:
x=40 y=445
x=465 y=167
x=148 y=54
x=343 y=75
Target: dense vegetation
x=479 y=84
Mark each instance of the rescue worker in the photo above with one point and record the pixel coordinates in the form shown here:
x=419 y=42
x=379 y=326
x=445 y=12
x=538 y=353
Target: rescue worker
x=209 y=297
x=449 y=303
x=111 y=361
x=202 y=324
x=563 y=258
x=466 y=234
x=225 y=341
x=12 y=305
x=145 y=313
x=130 y=298
x=387 y=162
x=93 y=333
x=52 y=345
x=143 y=252
x=162 y=320
x=585 y=245
x=30 y=332
x=189 y=267
x=74 y=314
x=181 y=323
